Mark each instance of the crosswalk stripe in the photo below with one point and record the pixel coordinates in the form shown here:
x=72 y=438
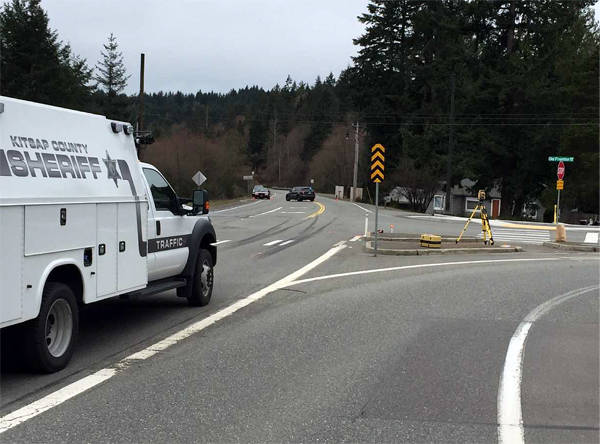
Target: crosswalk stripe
x=519 y=235
x=522 y=236
x=527 y=233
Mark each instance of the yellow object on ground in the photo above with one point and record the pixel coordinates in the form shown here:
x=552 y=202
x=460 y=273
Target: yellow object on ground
x=431 y=241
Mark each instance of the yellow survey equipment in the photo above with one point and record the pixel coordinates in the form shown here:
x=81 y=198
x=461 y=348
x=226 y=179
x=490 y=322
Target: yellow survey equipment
x=431 y=241
x=485 y=222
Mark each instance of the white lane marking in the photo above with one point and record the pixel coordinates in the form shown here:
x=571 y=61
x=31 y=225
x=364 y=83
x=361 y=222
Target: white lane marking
x=286 y=242
x=221 y=242
x=267 y=212
x=591 y=238
x=235 y=208
x=510 y=414
x=53 y=399
x=58 y=397
x=362 y=208
x=355 y=238
x=408 y=267
x=268 y=244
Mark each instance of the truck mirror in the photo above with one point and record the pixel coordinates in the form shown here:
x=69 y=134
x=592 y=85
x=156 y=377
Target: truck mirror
x=200 y=200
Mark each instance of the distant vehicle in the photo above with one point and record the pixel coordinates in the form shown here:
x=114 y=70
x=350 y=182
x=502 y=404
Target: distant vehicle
x=300 y=193
x=260 y=192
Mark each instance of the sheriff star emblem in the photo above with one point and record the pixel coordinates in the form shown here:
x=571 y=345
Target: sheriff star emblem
x=111 y=169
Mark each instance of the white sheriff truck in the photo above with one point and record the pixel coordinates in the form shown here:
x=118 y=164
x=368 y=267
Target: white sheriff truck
x=82 y=220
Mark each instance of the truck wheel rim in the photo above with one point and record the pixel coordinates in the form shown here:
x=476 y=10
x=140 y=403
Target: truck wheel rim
x=59 y=328
x=206 y=278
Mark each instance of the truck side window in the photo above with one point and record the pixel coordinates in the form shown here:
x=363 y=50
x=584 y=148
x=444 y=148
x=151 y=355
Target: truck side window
x=162 y=193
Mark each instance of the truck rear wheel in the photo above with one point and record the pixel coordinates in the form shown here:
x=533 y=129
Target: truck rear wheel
x=202 y=285
x=51 y=336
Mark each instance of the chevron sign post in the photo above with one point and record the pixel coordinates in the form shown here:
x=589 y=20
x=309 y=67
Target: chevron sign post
x=377 y=168
x=377 y=163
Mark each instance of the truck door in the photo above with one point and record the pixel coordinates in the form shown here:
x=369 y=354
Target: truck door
x=168 y=232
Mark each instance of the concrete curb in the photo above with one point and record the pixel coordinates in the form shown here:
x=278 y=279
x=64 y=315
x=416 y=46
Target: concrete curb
x=412 y=237
x=572 y=246
x=429 y=251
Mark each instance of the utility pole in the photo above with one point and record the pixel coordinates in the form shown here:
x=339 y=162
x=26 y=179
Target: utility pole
x=355 y=177
x=206 y=117
x=450 y=145
x=141 y=96
x=140 y=120
x=278 y=153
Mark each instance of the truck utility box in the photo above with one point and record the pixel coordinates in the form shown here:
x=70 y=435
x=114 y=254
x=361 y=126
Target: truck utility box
x=81 y=220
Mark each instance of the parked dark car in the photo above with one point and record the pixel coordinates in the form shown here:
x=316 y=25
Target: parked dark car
x=260 y=192
x=300 y=193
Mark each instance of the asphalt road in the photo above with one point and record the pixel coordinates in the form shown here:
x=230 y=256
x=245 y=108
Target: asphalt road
x=413 y=350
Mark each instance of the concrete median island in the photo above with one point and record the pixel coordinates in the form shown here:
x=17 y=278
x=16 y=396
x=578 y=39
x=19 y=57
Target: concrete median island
x=409 y=245
x=573 y=246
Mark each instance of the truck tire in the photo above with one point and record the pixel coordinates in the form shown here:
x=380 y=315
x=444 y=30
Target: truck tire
x=202 y=284
x=52 y=335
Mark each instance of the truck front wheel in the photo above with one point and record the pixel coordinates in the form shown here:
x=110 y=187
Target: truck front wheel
x=203 y=280
x=51 y=336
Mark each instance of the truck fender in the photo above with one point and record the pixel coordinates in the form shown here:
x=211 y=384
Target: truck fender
x=39 y=290
x=203 y=236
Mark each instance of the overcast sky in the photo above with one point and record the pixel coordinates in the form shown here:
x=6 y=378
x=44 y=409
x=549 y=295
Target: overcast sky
x=214 y=45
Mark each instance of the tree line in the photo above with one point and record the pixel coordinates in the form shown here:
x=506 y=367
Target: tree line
x=484 y=89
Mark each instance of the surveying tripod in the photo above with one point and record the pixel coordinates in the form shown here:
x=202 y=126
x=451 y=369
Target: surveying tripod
x=485 y=222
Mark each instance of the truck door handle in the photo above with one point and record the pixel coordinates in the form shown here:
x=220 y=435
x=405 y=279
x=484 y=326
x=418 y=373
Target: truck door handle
x=158 y=228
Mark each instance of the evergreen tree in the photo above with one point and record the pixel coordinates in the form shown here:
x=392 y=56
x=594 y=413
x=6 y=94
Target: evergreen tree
x=112 y=77
x=35 y=65
x=112 y=80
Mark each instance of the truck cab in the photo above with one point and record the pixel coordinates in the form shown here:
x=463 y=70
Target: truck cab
x=82 y=220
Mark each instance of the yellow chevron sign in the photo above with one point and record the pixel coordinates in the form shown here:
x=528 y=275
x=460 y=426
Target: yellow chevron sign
x=377 y=163
x=378 y=155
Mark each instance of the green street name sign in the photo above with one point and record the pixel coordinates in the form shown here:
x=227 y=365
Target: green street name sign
x=560 y=159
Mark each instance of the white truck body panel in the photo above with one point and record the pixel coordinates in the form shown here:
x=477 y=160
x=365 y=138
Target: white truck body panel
x=68 y=182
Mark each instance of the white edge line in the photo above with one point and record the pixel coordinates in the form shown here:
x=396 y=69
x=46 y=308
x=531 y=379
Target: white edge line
x=510 y=412
x=362 y=208
x=266 y=212
x=408 y=267
x=33 y=409
x=53 y=399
